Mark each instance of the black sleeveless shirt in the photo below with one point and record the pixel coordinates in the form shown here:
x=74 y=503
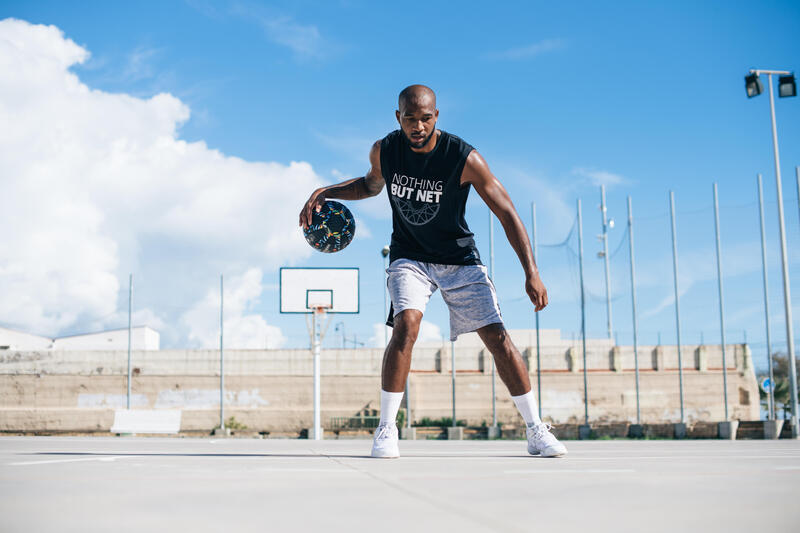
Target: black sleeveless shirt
x=427 y=200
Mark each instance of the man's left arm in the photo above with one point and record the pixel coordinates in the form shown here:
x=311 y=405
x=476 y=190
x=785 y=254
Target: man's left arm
x=476 y=172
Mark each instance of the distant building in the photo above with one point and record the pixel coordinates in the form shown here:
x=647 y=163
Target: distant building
x=11 y=339
x=142 y=338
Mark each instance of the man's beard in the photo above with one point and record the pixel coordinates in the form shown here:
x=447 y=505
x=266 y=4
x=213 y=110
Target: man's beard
x=421 y=143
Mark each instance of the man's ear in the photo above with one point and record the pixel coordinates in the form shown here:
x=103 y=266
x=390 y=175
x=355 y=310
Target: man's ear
x=397 y=115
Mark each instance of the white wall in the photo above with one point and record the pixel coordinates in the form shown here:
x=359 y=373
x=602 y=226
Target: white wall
x=19 y=340
x=142 y=338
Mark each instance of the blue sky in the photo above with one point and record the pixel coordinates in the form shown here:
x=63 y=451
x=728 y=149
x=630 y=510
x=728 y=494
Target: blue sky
x=645 y=97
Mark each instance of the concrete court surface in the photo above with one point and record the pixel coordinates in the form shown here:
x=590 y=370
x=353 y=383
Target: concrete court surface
x=105 y=484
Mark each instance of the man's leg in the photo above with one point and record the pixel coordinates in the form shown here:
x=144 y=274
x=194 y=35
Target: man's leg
x=507 y=358
x=396 y=364
x=514 y=374
x=397 y=357
x=512 y=370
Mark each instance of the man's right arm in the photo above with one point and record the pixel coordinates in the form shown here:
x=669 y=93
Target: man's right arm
x=352 y=189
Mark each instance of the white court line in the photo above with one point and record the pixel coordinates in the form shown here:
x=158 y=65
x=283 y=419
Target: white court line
x=315 y=470
x=572 y=471
x=487 y=454
x=53 y=461
x=678 y=456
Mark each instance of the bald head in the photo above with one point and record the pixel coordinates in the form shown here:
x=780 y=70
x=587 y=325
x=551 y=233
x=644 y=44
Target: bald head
x=416 y=96
x=417 y=115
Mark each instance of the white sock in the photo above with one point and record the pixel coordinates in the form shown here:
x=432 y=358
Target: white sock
x=390 y=404
x=527 y=408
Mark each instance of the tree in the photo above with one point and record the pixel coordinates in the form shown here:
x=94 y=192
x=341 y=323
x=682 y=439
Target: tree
x=780 y=370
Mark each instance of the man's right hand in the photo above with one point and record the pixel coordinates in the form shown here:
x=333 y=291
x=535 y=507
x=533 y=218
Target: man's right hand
x=352 y=189
x=313 y=205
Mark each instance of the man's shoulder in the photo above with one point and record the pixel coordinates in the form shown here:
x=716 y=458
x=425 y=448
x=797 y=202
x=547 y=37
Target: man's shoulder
x=459 y=143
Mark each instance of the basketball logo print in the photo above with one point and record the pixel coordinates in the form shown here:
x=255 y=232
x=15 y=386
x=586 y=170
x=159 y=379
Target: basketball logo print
x=331 y=229
x=417 y=200
x=416 y=215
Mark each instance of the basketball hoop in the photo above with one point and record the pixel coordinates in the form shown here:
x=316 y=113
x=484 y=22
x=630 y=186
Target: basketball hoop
x=318 y=293
x=318 y=317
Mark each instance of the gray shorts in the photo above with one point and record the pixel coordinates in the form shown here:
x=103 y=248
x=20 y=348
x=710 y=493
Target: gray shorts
x=466 y=289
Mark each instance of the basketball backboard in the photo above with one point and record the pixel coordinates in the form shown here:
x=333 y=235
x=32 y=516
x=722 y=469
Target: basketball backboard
x=335 y=289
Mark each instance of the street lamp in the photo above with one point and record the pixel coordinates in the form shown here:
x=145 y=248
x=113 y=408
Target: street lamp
x=752 y=84
x=787 y=87
x=607 y=224
x=340 y=327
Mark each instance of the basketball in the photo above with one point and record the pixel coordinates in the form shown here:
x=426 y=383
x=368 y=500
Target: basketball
x=332 y=229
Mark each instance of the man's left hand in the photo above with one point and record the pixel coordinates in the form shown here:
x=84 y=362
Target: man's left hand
x=536 y=291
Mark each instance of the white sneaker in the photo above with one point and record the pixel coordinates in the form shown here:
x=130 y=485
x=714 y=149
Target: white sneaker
x=541 y=441
x=385 y=443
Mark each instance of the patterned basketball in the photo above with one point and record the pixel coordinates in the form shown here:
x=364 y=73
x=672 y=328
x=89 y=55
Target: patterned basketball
x=331 y=229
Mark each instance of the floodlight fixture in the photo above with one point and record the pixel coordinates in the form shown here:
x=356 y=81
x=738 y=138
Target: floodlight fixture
x=752 y=83
x=787 y=86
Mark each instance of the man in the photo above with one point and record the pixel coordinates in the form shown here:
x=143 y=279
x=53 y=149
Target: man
x=429 y=173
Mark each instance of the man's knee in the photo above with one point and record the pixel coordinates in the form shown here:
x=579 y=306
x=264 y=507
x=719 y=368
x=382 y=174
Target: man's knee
x=496 y=338
x=406 y=327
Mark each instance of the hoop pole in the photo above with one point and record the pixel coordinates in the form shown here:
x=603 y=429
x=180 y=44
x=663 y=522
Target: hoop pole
x=316 y=351
x=130 y=307
x=221 y=358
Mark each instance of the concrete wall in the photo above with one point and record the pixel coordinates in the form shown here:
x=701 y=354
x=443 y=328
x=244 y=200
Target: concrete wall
x=272 y=389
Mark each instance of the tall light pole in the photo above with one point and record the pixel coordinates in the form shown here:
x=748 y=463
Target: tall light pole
x=633 y=307
x=677 y=299
x=787 y=87
x=583 y=318
x=604 y=238
x=770 y=394
x=385 y=254
x=538 y=340
x=340 y=327
x=491 y=277
x=721 y=303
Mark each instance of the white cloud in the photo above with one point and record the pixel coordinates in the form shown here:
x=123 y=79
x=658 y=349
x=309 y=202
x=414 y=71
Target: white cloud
x=665 y=302
x=354 y=147
x=139 y=64
x=599 y=177
x=428 y=332
x=242 y=330
x=527 y=51
x=98 y=184
x=304 y=40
